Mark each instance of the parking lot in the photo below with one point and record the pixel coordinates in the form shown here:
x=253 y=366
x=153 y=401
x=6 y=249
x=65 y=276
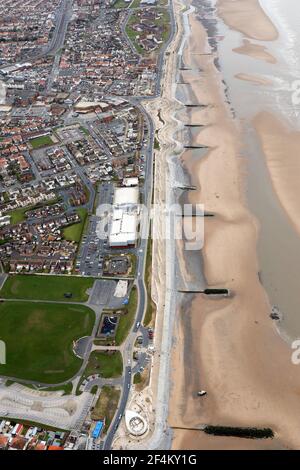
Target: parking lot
x=103 y=294
x=94 y=246
x=90 y=258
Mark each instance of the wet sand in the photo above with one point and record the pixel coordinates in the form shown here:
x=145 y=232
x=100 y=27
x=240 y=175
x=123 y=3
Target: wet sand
x=228 y=347
x=278 y=238
x=254 y=79
x=281 y=149
x=248 y=17
x=256 y=51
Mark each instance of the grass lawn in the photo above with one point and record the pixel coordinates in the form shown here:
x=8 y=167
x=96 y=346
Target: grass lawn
x=42 y=141
x=67 y=388
x=133 y=34
x=18 y=215
x=133 y=261
x=151 y=307
x=163 y=21
x=121 y=4
x=156 y=144
x=33 y=287
x=108 y=365
x=137 y=378
x=126 y=321
x=74 y=232
x=84 y=130
x=106 y=405
x=39 y=339
x=141 y=380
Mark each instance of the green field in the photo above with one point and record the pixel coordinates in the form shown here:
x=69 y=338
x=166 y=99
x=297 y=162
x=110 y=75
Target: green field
x=151 y=307
x=106 y=405
x=39 y=339
x=135 y=4
x=121 y=4
x=84 y=130
x=67 y=388
x=137 y=378
x=133 y=34
x=74 y=232
x=33 y=287
x=18 y=215
x=163 y=21
x=126 y=321
x=42 y=141
x=108 y=365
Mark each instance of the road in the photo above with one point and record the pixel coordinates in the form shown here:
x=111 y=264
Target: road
x=80 y=172
x=99 y=141
x=124 y=398
x=141 y=265
x=54 y=45
x=140 y=282
x=58 y=38
x=94 y=246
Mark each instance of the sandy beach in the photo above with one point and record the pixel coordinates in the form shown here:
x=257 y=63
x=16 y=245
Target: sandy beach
x=230 y=347
x=248 y=17
x=256 y=51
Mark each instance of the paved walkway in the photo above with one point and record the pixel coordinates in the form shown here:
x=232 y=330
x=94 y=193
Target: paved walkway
x=49 y=408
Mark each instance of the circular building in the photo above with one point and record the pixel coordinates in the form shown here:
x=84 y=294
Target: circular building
x=135 y=423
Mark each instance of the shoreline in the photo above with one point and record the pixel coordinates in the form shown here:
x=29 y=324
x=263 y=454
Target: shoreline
x=249 y=391
x=271 y=180
x=162 y=112
x=236 y=15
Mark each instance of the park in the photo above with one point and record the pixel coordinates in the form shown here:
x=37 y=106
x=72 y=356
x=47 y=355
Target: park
x=39 y=339
x=43 y=287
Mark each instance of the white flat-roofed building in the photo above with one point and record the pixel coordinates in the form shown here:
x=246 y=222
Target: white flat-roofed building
x=86 y=106
x=124 y=220
x=130 y=182
x=104 y=106
x=5 y=108
x=123 y=231
x=117 y=214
